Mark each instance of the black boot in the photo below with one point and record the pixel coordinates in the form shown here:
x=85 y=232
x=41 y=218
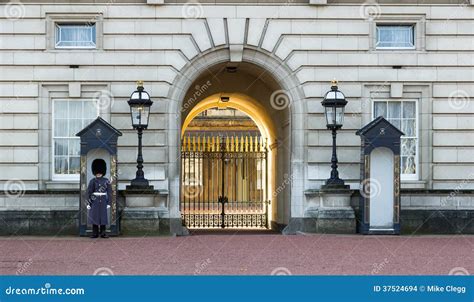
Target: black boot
x=103 y=234
x=95 y=231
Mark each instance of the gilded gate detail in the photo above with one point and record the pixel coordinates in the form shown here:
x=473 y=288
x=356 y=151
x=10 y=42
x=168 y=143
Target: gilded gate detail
x=224 y=182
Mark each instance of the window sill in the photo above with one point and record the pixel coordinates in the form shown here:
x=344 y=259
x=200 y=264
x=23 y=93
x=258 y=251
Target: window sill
x=62 y=185
x=413 y=184
x=74 y=48
x=395 y=48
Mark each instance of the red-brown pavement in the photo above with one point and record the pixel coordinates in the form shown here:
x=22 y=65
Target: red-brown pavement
x=237 y=253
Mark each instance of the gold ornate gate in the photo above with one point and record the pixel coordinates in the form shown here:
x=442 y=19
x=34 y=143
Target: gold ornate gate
x=224 y=182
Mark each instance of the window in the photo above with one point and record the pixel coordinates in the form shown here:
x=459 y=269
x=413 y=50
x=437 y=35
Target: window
x=75 y=35
x=395 y=37
x=403 y=115
x=69 y=117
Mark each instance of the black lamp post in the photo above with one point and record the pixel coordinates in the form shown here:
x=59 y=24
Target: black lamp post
x=334 y=103
x=140 y=104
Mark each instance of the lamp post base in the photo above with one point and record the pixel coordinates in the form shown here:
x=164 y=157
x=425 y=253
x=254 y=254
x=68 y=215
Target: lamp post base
x=139 y=185
x=335 y=184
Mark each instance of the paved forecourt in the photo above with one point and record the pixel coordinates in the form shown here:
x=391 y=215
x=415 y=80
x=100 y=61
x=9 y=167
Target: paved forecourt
x=239 y=253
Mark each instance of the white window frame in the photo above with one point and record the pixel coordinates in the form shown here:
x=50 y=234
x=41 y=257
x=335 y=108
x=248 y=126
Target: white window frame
x=416 y=175
x=413 y=30
x=418 y=20
x=57 y=35
x=73 y=18
x=63 y=177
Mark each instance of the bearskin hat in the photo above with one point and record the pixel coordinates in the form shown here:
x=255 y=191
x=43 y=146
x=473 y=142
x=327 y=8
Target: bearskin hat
x=99 y=166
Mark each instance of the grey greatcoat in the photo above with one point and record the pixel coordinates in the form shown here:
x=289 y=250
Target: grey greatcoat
x=98 y=211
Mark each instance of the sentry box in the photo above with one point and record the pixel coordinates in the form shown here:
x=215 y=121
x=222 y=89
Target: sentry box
x=379 y=203
x=98 y=140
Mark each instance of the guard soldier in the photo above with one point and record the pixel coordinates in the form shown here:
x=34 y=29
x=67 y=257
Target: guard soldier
x=99 y=193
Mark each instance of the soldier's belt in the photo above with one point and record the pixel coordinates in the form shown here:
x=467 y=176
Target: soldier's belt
x=99 y=194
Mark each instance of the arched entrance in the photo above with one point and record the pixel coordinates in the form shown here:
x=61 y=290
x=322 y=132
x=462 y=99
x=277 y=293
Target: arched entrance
x=268 y=85
x=227 y=164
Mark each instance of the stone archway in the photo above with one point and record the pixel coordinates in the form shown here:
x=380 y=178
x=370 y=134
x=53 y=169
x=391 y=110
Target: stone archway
x=202 y=78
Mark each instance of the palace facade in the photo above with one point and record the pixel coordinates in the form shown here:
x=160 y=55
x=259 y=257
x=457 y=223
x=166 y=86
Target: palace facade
x=251 y=75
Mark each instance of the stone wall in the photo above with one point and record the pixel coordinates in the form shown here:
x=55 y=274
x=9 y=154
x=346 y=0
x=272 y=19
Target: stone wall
x=315 y=44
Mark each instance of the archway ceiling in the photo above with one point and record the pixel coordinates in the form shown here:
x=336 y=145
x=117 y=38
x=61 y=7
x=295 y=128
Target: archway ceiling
x=249 y=80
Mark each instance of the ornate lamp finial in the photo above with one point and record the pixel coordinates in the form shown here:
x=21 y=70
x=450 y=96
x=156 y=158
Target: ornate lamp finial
x=140 y=83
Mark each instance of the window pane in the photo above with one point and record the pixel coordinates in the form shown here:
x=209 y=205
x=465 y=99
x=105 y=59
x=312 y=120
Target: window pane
x=74 y=127
x=398 y=36
x=408 y=165
x=340 y=116
x=409 y=109
x=394 y=110
x=60 y=146
x=145 y=114
x=60 y=128
x=60 y=109
x=75 y=109
x=74 y=163
x=380 y=109
x=60 y=164
x=329 y=115
x=86 y=123
x=74 y=147
x=408 y=127
x=411 y=144
x=395 y=122
x=90 y=110
x=408 y=146
x=75 y=35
